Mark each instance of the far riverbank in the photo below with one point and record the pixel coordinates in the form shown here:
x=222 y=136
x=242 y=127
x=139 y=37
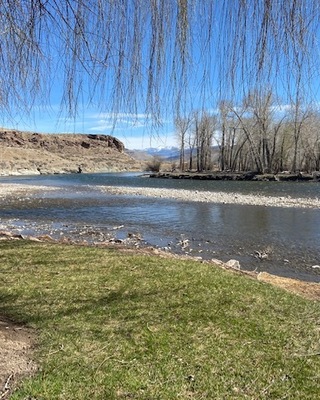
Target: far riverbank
x=240 y=176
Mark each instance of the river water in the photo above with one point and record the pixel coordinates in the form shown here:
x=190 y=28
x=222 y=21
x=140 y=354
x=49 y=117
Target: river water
x=289 y=238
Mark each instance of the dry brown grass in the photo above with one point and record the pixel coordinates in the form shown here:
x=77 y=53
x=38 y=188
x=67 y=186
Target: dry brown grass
x=309 y=290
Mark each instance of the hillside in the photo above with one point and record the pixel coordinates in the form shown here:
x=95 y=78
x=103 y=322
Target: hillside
x=26 y=153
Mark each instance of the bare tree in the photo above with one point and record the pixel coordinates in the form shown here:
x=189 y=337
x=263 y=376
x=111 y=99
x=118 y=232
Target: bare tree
x=191 y=145
x=299 y=115
x=248 y=128
x=231 y=139
x=254 y=135
x=183 y=125
x=223 y=110
x=259 y=105
x=309 y=143
x=256 y=118
x=204 y=130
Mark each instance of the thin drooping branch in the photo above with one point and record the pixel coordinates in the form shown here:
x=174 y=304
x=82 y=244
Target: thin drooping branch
x=153 y=54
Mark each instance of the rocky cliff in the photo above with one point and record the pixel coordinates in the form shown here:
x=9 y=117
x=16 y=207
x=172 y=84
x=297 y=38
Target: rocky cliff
x=39 y=153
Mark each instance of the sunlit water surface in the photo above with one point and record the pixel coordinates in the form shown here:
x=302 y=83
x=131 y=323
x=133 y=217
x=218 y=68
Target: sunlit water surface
x=290 y=236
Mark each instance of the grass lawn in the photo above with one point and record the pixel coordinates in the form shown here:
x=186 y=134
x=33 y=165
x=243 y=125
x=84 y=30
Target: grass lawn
x=114 y=325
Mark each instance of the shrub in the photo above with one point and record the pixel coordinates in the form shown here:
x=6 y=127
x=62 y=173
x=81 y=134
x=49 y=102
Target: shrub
x=154 y=164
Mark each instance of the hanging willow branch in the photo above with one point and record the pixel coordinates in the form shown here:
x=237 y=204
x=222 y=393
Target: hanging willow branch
x=127 y=53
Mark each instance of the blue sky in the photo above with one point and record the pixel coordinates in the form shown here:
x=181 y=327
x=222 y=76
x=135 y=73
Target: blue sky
x=208 y=64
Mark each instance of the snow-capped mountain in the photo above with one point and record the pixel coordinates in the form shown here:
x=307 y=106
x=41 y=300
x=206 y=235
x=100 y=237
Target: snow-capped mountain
x=163 y=152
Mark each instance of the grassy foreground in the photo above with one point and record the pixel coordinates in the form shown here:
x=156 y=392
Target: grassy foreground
x=121 y=326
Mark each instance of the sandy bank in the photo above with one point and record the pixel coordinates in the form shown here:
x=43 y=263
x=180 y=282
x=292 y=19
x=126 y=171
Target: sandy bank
x=215 y=197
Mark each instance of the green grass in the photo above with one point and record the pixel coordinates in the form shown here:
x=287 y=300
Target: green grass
x=120 y=326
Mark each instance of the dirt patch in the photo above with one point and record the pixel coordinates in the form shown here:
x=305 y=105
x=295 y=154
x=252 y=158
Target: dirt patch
x=308 y=290
x=16 y=345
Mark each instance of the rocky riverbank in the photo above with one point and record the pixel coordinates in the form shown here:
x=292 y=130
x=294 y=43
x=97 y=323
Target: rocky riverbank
x=240 y=176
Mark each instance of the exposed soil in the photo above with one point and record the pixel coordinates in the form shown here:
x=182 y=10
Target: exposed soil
x=16 y=344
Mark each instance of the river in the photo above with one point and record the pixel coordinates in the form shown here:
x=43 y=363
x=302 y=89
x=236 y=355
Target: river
x=282 y=241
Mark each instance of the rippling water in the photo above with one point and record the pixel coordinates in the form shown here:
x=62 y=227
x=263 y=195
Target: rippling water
x=290 y=236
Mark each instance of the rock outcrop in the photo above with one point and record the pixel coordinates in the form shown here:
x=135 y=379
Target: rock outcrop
x=54 y=142
x=40 y=153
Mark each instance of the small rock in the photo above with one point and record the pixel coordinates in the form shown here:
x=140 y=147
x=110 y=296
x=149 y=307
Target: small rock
x=233 y=264
x=261 y=255
x=117 y=227
x=183 y=243
x=136 y=236
x=34 y=239
x=191 y=378
x=316 y=267
x=218 y=262
x=46 y=238
x=5 y=233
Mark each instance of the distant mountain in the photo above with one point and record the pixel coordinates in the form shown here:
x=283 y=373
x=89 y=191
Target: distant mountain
x=166 y=153
x=163 y=152
x=169 y=154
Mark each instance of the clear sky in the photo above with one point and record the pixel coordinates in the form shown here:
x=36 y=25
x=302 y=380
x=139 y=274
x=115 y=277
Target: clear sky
x=231 y=50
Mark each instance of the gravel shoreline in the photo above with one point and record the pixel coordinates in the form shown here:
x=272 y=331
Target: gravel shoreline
x=8 y=189
x=179 y=194
x=215 y=197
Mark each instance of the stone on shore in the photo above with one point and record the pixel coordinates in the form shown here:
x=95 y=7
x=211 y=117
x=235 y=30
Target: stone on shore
x=233 y=264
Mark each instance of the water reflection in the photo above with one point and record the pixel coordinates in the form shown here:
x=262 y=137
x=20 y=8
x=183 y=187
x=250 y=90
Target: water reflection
x=291 y=235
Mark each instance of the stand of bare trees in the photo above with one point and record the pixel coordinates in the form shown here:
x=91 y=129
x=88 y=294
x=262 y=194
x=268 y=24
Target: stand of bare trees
x=263 y=136
x=258 y=135
x=195 y=133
